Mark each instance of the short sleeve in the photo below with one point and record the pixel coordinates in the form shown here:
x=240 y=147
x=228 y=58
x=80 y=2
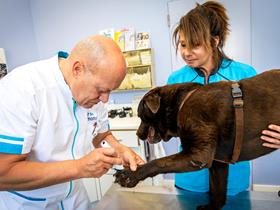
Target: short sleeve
x=18 y=117
x=103 y=118
x=251 y=72
x=170 y=80
x=98 y=119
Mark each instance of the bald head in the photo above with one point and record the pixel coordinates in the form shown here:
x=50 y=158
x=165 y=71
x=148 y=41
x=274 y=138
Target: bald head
x=95 y=51
x=94 y=68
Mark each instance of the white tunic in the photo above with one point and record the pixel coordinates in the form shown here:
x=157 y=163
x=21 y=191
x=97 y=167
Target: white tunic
x=40 y=118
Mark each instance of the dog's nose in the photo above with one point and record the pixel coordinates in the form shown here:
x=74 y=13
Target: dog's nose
x=141 y=135
x=142 y=131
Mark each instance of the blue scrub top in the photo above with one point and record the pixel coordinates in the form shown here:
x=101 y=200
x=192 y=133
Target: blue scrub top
x=239 y=173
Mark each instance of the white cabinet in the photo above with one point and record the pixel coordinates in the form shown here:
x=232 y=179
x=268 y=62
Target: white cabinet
x=93 y=188
x=105 y=183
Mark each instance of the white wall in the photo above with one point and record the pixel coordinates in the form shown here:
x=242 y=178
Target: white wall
x=265 y=56
x=59 y=24
x=16 y=33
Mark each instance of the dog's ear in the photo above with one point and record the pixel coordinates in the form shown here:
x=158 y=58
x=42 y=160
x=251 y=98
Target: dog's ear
x=153 y=102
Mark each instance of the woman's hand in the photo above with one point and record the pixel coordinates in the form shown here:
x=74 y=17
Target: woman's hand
x=271 y=136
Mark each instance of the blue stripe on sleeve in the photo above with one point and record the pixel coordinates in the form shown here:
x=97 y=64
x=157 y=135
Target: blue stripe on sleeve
x=10 y=148
x=27 y=197
x=11 y=138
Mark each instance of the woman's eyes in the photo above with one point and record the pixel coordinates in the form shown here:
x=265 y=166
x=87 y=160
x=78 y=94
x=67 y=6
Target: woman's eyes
x=183 y=45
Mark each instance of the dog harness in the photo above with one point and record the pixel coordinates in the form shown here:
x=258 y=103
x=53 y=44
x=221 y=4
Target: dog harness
x=239 y=120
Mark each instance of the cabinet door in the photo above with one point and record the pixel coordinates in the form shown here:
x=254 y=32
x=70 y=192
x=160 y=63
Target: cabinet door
x=92 y=188
x=106 y=182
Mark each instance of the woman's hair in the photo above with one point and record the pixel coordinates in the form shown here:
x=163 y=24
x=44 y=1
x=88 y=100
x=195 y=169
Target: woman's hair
x=201 y=25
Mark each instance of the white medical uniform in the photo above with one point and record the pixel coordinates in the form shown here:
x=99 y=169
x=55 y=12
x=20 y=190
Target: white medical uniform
x=40 y=118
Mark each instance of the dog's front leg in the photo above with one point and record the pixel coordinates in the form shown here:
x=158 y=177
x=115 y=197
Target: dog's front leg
x=171 y=164
x=218 y=186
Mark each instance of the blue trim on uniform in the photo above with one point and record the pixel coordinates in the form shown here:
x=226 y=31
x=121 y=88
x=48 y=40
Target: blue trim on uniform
x=77 y=128
x=74 y=141
x=13 y=138
x=62 y=54
x=27 y=197
x=62 y=206
x=10 y=148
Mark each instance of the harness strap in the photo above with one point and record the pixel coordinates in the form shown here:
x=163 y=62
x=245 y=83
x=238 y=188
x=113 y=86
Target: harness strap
x=239 y=120
x=186 y=98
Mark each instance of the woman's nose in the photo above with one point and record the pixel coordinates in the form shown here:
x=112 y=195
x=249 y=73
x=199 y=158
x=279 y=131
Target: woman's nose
x=185 y=52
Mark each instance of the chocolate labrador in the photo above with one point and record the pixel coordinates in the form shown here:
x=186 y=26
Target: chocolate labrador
x=204 y=119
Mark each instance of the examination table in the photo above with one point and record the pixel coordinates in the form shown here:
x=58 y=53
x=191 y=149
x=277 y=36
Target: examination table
x=144 y=197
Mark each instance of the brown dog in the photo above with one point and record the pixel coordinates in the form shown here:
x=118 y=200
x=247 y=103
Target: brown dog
x=205 y=123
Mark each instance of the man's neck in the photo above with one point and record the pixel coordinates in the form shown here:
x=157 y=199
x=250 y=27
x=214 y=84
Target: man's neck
x=62 y=63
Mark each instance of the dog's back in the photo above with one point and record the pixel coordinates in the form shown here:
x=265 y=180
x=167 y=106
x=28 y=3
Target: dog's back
x=261 y=108
x=213 y=104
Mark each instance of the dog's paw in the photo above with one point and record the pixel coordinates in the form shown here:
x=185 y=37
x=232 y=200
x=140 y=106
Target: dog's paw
x=126 y=178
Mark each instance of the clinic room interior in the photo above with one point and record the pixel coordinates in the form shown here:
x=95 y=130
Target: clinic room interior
x=33 y=30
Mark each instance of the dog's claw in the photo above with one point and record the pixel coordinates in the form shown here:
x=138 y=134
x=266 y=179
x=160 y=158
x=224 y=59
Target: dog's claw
x=126 y=178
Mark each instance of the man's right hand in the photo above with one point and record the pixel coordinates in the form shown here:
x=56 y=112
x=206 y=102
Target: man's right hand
x=18 y=173
x=98 y=162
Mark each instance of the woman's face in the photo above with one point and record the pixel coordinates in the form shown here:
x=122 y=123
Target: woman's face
x=197 y=57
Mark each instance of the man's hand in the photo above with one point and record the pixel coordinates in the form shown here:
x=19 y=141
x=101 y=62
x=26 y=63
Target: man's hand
x=98 y=162
x=271 y=136
x=129 y=157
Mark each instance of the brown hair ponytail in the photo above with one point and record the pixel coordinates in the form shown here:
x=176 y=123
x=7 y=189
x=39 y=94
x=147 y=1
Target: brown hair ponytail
x=201 y=25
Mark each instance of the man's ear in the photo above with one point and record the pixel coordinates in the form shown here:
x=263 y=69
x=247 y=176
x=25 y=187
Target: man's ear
x=153 y=103
x=77 y=68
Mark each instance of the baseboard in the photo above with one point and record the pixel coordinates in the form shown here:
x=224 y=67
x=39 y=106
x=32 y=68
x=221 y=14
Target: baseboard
x=266 y=188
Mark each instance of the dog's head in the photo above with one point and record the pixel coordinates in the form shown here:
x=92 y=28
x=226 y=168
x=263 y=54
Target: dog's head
x=157 y=115
x=158 y=111
x=152 y=126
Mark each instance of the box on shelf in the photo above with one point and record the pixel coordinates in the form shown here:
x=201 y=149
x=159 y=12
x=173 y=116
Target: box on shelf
x=141 y=77
x=139 y=74
x=120 y=39
x=132 y=58
x=142 y=40
x=146 y=57
x=129 y=39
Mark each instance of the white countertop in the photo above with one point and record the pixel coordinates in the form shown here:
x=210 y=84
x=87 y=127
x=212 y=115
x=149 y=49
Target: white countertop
x=126 y=123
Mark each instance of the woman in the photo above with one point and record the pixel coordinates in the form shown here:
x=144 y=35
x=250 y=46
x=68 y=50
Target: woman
x=200 y=37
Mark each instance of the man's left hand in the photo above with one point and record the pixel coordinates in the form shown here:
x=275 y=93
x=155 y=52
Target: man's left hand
x=271 y=136
x=129 y=157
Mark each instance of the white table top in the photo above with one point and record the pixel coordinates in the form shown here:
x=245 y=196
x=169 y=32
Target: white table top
x=126 y=123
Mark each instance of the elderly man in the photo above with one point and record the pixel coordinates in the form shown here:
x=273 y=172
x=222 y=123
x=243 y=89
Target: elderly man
x=51 y=112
